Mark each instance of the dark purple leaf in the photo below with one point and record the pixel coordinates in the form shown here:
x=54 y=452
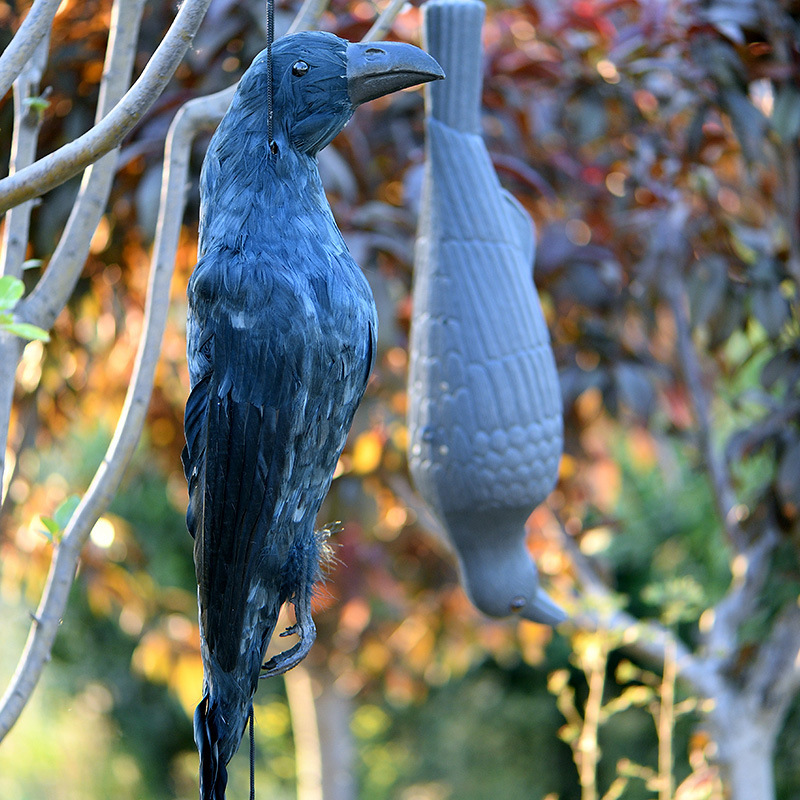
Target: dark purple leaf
x=770 y=308
x=634 y=388
x=707 y=288
x=788 y=483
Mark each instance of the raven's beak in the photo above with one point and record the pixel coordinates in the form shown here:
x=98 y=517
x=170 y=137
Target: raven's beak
x=378 y=68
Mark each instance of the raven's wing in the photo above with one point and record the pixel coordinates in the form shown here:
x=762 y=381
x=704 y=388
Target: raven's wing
x=276 y=377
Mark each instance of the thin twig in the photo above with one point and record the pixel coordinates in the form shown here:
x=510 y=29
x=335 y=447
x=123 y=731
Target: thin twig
x=586 y=750
x=666 y=723
x=126 y=436
x=751 y=570
x=669 y=242
x=308 y=16
x=34 y=28
x=779 y=27
x=58 y=282
x=25 y=136
x=775 y=675
x=724 y=495
x=384 y=22
x=59 y=166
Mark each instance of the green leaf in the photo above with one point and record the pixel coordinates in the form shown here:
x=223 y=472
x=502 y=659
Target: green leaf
x=52 y=531
x=32 y=263
x=788 y=482
x=38 y=104
x=61 y=516
x=51 y=525
x=681 y=599
x=694 y=133
x=64 y=512
x=11 y=289
x=26 y=331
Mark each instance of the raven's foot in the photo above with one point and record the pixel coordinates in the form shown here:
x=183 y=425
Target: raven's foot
x=304 y=627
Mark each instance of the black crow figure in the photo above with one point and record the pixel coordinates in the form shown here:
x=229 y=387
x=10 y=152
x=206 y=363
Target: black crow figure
x=281 y=341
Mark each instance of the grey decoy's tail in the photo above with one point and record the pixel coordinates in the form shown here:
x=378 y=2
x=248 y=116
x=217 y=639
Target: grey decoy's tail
x=452 y=30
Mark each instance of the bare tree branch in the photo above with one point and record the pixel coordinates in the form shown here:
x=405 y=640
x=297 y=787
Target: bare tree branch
x=775 y=676
x=34 y=28
x=107 y=478
x=55 y=287
x=59 y=166
x=650 y=639
x=383 y=24
x=308 y=16
x=750 y=571
x=781 y=34
x=670 y=238
x=27 y=122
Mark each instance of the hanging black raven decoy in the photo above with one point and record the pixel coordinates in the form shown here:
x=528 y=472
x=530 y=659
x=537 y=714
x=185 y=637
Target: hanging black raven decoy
x=281 y=341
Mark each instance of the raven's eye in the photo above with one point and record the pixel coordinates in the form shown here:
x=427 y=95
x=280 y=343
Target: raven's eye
x=299 y=68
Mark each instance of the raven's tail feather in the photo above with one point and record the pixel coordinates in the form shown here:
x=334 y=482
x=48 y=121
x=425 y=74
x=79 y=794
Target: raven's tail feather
x=213 y=774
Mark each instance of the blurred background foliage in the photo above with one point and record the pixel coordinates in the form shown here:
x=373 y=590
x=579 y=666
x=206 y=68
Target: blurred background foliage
x=609 y=120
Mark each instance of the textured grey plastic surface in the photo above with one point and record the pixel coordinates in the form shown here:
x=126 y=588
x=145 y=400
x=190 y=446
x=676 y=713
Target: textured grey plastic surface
x=485 y=415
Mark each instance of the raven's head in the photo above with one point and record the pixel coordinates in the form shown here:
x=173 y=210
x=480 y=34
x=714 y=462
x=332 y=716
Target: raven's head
x=319 y=79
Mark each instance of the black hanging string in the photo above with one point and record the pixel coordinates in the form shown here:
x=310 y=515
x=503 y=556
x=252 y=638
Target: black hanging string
x=270 y=37
x=252 y=755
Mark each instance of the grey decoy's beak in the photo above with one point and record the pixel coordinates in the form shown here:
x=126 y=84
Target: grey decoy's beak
x=378 y=68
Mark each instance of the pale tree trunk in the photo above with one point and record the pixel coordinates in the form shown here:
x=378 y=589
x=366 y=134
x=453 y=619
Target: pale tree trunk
x=337 y=749
x=750 y=707
x=746 y=748
x=324 y=750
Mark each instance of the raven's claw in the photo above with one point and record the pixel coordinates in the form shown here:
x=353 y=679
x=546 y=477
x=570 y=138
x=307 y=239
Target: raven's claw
x=304 y=627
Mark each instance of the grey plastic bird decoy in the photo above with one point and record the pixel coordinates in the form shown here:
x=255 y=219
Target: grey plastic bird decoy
x=485 y=413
